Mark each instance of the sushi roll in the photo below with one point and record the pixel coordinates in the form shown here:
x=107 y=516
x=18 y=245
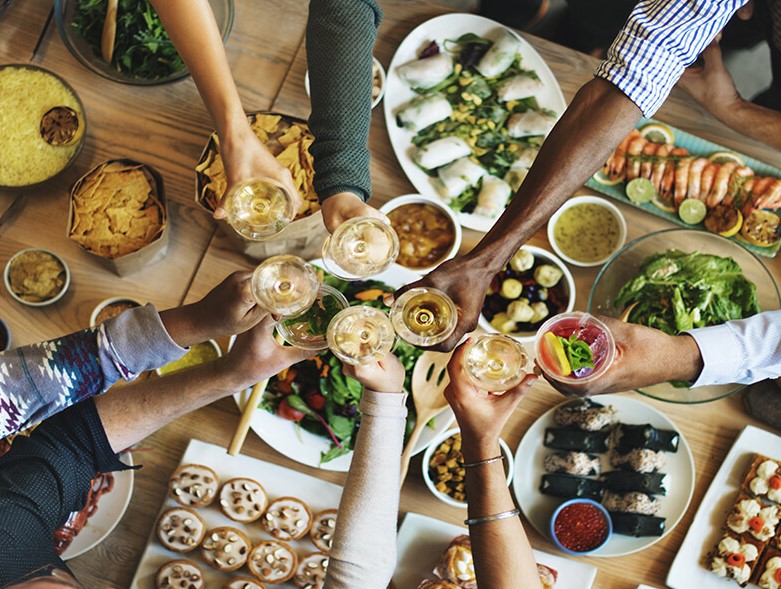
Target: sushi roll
x=567 y=486
x=654 y=483
x=456 y=177
x=518 y=87
x=575 y=439
x=638 y=460
x=530 y=123
x=493 y=197
x=424 y=111
x=500 y=56
x=628 y=437
x=426 y=73
x=584 y=414
x=764 y=478
x=734 y=558
x=749 y=516
x=632 y=502
x=574 y=463
x=637 y=525
x=441 y=152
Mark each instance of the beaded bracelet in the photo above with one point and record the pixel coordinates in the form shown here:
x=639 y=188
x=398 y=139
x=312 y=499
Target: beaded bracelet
x=482 y=462
x=490 y=518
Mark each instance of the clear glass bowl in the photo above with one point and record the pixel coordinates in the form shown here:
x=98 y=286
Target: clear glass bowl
x=626 y=264
x=64 y=11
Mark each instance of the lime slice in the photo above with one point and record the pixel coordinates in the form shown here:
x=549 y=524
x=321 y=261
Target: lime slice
x=663 y=205
x=640 y=190
x=555 y=354
x=605 y=180
x=723 y=157
x=658 y=133
x=692 y=211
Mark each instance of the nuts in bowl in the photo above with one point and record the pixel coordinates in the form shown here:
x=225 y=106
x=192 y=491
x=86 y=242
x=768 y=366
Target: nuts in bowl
x=36 y=277
x=533 y=286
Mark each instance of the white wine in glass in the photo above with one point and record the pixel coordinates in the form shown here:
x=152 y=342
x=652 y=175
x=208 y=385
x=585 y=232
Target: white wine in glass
x=307 y=330
x=424 y=316
x=359 y=335
x=360 y=248
x=285 y=285
x=259 y=208
x=495 y=362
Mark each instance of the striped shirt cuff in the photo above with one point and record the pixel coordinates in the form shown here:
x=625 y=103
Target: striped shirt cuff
x=722 y=355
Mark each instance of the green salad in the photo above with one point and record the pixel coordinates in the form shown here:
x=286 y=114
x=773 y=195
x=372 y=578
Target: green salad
x=676 y=291
x=317 y=394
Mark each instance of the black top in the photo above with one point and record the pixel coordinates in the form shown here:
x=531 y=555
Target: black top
x=43 y=478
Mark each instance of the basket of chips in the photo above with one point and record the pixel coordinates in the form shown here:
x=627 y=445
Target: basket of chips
x=118 y=214
x=288 y=138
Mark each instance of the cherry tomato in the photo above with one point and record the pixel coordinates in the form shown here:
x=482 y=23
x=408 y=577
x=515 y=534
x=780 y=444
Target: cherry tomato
x=316 y=401
x=285 y=411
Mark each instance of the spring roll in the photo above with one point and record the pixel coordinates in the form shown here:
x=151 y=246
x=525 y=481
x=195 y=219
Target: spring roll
x=531 y=122
x=458 y=176
x=441 y=152
x=493 y=197
x=424 y=111
x=500 y=56
x=518 y=87
x=423 y=74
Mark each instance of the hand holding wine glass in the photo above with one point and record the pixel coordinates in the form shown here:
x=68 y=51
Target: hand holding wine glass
x=344 y=206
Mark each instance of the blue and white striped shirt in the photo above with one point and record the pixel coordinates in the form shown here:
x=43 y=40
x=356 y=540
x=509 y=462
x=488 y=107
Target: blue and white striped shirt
x=659 y=40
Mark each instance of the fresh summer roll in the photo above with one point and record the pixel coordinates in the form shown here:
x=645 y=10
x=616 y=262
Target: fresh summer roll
x=493 y=197
x=423 y=74
x=441 y=152
x=518 y=87
x=424 y=111
x=531 y=122
x=500 y=55
x=458 y=176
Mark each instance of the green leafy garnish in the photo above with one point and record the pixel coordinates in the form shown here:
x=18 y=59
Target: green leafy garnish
x=318 y=316
x=579 y=354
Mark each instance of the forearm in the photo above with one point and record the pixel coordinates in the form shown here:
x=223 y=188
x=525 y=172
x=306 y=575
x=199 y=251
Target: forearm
x=758 y=122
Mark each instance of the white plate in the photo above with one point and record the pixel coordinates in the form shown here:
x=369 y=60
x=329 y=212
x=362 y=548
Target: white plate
x=291 y=440
x=687 y=570
x=276 y=480
x=399 y=94
x=538 y=508
x=111 y=508
x=422 y=540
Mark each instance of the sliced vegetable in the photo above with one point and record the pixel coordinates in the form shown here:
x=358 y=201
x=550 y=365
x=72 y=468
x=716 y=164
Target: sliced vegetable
x=555 y=354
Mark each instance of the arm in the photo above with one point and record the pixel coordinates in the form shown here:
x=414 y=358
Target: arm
x=502 y=554
x=712 y=86
x=194 y=32
x=364 y=549
x=339 y=40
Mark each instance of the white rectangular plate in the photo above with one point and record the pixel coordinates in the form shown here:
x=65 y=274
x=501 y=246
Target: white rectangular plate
x=422 y=540
x=276 y=480
x=687 y=570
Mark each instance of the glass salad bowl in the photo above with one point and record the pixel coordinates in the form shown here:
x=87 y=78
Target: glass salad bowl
x=625 y=265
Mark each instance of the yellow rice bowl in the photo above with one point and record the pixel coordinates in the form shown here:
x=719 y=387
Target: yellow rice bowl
x=26 y=94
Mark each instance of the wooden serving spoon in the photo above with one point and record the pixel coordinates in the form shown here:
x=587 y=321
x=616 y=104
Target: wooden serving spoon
x=626 y=312
x=429 y=379
x=109 y=31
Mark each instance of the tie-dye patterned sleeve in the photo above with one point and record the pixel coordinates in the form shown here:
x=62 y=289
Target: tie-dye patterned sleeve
x=41 y=379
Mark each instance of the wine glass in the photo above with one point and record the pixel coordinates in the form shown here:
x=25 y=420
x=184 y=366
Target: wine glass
x=285 y=285
x=360 y=334
x=359 y=248
x=424 y=316
x=495 y=362
x=307 y=329
x=259 y=208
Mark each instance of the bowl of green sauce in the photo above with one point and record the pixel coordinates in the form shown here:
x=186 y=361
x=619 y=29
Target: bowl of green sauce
x=587 y=231
x=197 y=354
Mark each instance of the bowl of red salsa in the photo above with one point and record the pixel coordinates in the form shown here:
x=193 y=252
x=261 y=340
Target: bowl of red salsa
x=580 y=526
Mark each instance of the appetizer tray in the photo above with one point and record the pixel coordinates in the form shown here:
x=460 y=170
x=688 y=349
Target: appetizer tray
x=698 y=147
x=538 y=507
x=704 y=532
x=276 y=480
x=422 y=540
x=399 y=94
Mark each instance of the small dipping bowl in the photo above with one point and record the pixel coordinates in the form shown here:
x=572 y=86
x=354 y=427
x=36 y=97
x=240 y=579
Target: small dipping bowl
x=208 y=347
x=5 y=336
x=49 y=301
x=112 y=307
x=580 y=526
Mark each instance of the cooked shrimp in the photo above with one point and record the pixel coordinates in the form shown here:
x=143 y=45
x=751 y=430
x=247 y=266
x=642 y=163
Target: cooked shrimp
x=695 y=174
x=615 y=167
x=754 y=198
x=769 y=197
x=657 y=172
x=720 y=184
x=649 y=161
x=706 y=180
x=681 y=179
x=633 y=160
x=737 y=180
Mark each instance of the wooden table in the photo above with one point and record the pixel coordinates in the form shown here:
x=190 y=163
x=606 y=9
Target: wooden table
x=167 y=127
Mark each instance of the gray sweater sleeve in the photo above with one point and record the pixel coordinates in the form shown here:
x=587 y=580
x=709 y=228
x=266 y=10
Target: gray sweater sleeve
x=364 y=549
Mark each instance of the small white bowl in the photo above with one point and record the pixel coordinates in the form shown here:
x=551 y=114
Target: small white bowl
x=93 y=318
x=55 y=298
x=406 y=199
x=209 y=341
x=595 y=200
x=381 y=74
x=527 y=337
x=509 y=466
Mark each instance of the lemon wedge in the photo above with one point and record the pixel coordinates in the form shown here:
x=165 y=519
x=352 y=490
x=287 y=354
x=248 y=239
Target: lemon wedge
x=658 y=133
x=555 y=354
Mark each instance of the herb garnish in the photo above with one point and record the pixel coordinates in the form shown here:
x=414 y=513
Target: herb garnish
x=579 y=354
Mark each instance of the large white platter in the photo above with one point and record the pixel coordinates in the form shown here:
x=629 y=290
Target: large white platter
x=111 y=508
x=276 y=480
x=538 y=508
x=422 y=540
x=687 y=570
x=398 y=93
x=291 y=440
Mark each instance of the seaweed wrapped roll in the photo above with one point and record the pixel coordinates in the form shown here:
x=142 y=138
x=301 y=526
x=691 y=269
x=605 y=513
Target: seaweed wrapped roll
x=634 y=524
x=567 y=486
x=645 y=436
x=575 y=439
x=622 y=481
x=584 y=414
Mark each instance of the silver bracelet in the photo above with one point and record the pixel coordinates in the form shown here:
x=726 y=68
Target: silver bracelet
x=490 y=518
x=482 y=462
